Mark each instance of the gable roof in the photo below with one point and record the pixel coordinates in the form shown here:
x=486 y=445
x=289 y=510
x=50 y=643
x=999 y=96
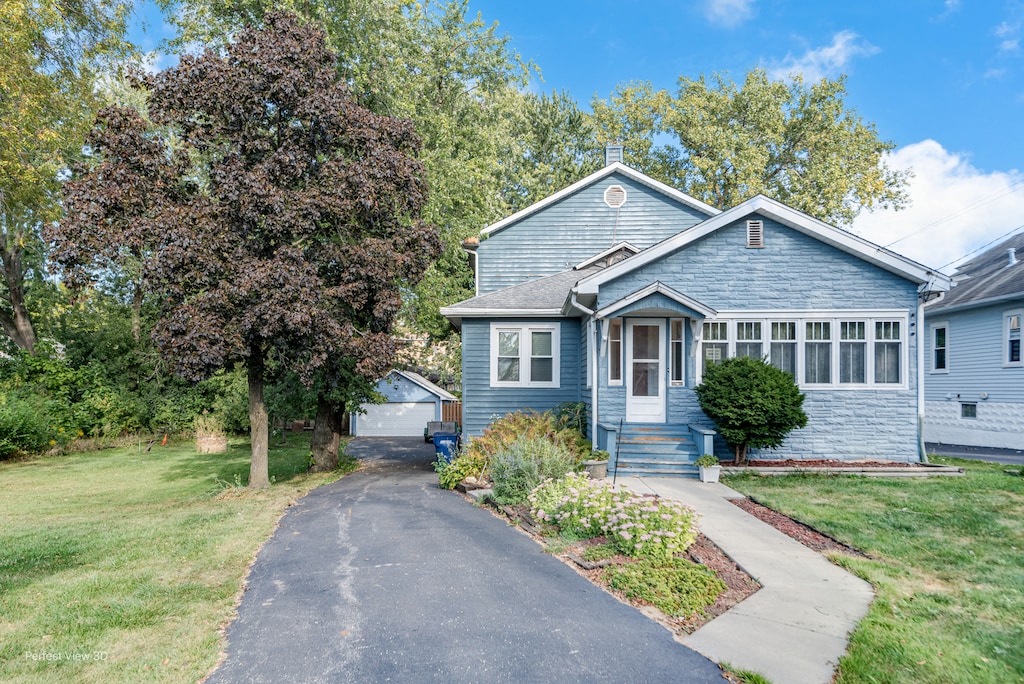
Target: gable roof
x=928 y=279
x=654 y=295
x=418 y=379
x=610 y=169
x=989 y=278
x=540 y=298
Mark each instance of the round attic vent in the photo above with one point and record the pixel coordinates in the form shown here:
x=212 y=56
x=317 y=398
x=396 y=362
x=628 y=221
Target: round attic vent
x=615 y=196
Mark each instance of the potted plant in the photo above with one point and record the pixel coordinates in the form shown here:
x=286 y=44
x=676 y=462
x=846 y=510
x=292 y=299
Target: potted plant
x=597 y=465
x=709 y=468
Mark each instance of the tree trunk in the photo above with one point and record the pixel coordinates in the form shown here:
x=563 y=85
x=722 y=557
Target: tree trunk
x=259 y=470
x=15 y=320
x=326 y=439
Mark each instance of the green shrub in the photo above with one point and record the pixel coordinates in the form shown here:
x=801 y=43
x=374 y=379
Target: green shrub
x=752 y=403
x=575 y=504
x=24 y=425
x=676 y=586
x=462 y=466
x=511 y=427
x=524 y=464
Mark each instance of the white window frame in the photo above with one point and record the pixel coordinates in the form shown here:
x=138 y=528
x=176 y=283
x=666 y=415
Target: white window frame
x=672 y=342
x=525 y=353
x=1005 y=351
x=615 y=356
x=834 y=318
x=938 y=325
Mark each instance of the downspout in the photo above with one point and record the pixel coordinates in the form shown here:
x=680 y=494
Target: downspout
x=593 y=368
x=920 y=381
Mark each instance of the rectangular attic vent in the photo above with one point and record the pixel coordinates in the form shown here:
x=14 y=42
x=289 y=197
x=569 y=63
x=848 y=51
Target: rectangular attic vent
x=755 y=233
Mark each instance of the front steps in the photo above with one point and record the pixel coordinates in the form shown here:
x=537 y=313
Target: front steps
x=654 y=450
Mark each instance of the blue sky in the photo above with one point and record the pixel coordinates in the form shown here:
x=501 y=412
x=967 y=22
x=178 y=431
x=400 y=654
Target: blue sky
x=943 y=79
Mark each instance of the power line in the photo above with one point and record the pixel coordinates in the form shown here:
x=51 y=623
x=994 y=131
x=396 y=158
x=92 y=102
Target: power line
x=984 y=246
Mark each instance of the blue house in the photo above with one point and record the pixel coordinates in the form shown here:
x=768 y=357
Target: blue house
x=617 y=290
x=974 y=387
x=410 y=402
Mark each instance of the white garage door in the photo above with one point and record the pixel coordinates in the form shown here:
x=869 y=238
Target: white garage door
x=394 y=420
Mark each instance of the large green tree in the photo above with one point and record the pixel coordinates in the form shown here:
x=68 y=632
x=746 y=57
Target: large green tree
x=797 y=142
x=51 y=52
x=278 y=232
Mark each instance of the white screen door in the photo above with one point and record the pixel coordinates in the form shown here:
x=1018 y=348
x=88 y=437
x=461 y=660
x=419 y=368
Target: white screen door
x=645 y=371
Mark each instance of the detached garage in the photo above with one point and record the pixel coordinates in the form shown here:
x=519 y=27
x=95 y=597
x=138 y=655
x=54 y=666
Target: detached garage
x=412 y=402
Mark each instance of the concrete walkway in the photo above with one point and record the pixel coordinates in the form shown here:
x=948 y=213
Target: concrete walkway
x=792 y=631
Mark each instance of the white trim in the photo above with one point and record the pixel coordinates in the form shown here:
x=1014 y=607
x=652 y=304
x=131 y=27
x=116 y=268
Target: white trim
x=769 y=208
x=614 y=167
x=608 y=252
x=469 y=312
x=525 y=355
x=681 y=382
x=1004 y=343
x=931 y=346
x=834 y=318
x=657 y=288
x=608 y=340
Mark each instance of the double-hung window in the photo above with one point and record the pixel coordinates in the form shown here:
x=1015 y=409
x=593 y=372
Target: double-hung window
x=615 y=352
x=783 y=346
x=678 y=356
x=818 y=353
x=888 y=352
x=940 y=346
x=853 y=352
x=524 y=355
x=1011 y=333
x=715 y=347
x=748 y=339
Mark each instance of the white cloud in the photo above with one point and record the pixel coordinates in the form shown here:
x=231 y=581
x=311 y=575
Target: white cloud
x=956 y=208
x=728 y=12
x=830 y=60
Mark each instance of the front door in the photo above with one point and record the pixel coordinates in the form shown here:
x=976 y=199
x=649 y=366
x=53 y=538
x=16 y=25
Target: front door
x=645 y=371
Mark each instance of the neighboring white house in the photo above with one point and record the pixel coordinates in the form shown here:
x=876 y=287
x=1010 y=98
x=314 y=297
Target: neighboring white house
x=412 y=402
x=974 y=384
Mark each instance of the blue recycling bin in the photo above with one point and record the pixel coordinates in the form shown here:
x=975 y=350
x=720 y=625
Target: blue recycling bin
x=446 y=445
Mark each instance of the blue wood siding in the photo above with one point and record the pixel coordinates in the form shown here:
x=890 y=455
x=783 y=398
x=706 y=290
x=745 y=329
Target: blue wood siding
x=483 y=403
x=974 y=353
x=575 y=229
x=797 y=273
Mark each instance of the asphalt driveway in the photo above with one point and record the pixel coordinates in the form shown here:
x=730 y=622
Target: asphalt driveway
x=382 y=577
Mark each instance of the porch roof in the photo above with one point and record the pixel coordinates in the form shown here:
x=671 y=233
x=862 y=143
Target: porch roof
x=657 y=299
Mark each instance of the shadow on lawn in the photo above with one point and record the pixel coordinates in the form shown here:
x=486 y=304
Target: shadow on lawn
x=232 y=468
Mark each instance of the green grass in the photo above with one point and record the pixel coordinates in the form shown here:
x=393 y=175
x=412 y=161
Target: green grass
x=947 y=564
x=120 y=566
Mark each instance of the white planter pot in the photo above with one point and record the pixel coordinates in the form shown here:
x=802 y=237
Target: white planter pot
x=710 y=473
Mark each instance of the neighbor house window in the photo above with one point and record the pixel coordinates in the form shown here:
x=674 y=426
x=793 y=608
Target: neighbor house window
x=939 y=345
x=888 y=352
x=615 y=352
x=968 y=410
x=524 y=355
x=783 y=347
x=852 y=352
x=715 y=347
x=818 y=353
x=1012 y=332
x=748 y=339
x=678 y=358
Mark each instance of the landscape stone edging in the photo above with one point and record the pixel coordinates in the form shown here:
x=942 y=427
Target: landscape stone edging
x=921 y=470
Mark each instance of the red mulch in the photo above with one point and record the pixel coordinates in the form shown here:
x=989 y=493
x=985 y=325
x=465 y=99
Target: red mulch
x=824 y=463
x=805 y=534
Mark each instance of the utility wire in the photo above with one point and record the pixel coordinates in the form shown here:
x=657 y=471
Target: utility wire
x=984 y=246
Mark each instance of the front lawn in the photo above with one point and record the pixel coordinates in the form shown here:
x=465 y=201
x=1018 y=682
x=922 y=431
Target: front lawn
x=948 y=568
x=121 y=566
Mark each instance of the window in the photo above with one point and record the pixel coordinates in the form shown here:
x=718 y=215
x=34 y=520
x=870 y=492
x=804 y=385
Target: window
x=1012 y=334
x=887 y=352
x=524 y=355
x=783 y=348
x=968 y=410
x=615 y=352
x=716 y=342
x=939 y=332
x=678 y=357
x=852 y=352
x=748 y=339
x=818 y=353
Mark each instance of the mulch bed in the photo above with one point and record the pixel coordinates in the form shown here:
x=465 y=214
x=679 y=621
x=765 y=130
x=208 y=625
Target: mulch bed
x=805 y=534
x=825 y=463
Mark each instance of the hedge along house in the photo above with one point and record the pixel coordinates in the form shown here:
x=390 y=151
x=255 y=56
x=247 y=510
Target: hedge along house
x=974 y=387
x=617 y=291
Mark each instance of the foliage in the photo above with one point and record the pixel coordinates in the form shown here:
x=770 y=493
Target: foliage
x=676 y=586
x=518 y=468
x=571 y=415
x=575 y=504
x=280 y=228
x=796 y=142
x=126 y=548
x=752 y=403
x=208 y=425
x=23 y=425
x=465 y=464
x=947 y=564
x=637 y=526
x=706 y=460
x=528 y=424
